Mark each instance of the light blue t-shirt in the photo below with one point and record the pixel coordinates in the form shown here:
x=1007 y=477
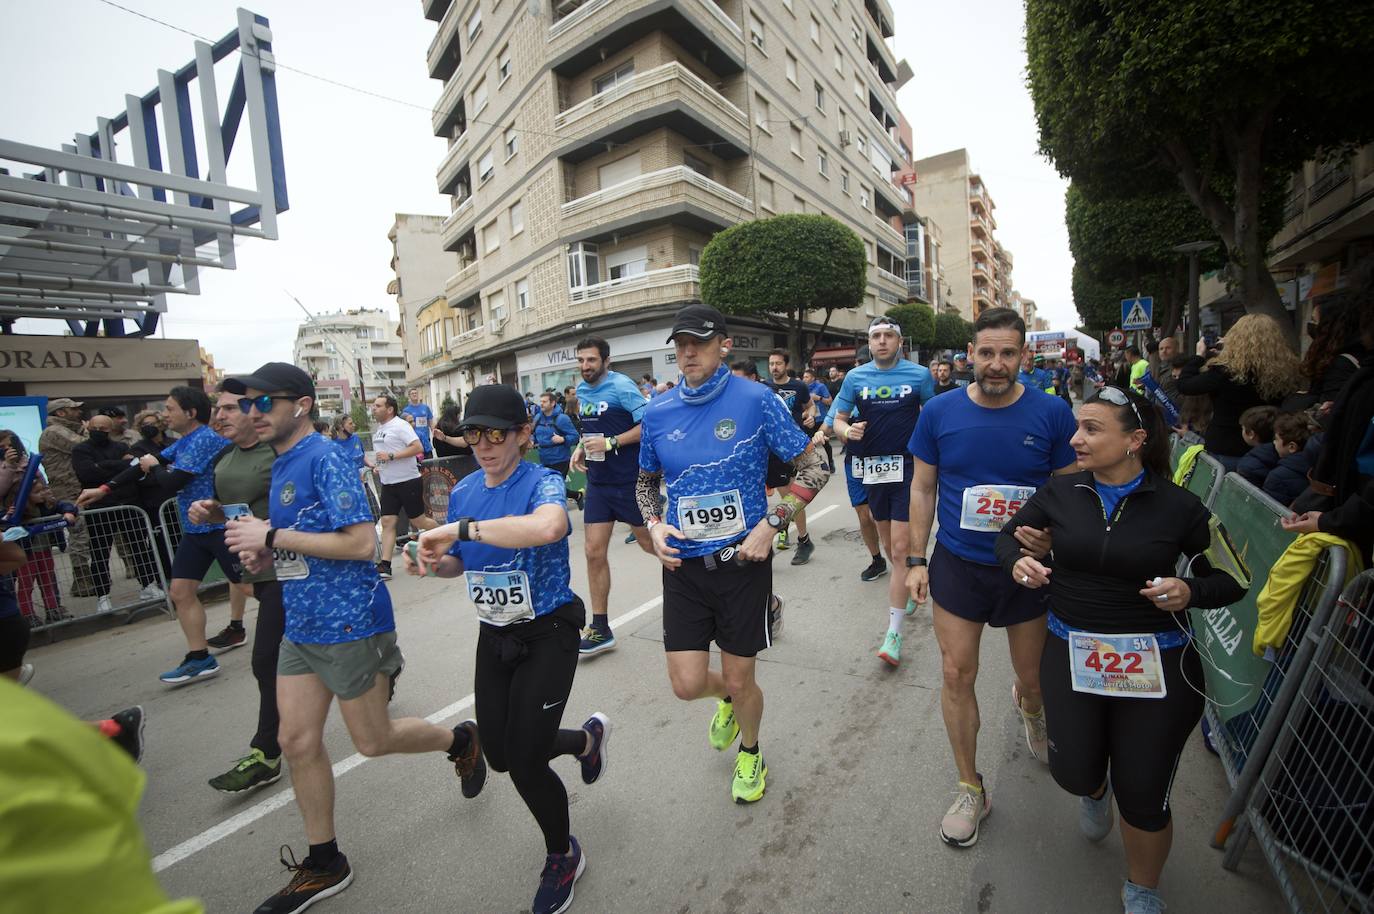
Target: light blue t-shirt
x=890 y=400
x=714 y=457
x=1017 y=446
x=612 y=406
x=315 y=489
x=195 y=454
x=528 y=487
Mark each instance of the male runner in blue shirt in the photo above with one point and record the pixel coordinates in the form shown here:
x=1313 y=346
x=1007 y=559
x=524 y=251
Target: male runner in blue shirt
x=888 y=392
x=340 y=639
x=422 y=418
x=608 y=452
x=986 y=448
x=710 y=438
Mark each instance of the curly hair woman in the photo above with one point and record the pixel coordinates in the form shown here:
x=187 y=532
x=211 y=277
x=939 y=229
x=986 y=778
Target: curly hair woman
x=1336 y=352
x=1256 y=367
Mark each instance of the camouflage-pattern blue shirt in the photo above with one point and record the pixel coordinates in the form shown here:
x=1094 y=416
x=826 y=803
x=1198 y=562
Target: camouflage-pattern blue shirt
x=195 y=454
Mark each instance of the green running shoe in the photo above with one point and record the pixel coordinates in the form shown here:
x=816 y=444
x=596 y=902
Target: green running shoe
x=750 y=772
x=891 y=651
x=724 y=727
x=780 y=543
x=250 y=772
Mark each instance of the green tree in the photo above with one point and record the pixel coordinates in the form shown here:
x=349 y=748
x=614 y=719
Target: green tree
x=917 y=322
x=952 y=331
x=361 y=418
x=1216 y=96
x=783 y=268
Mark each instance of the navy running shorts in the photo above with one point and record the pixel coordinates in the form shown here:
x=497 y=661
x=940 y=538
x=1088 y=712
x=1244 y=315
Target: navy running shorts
x=198 y=551
x=858 y=495
x=982 y=593
x=890 y=501
x=606 y=504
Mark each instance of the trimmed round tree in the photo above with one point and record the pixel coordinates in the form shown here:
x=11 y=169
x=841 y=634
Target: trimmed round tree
x=917 y=321
x=952 y=331
x=783 y=268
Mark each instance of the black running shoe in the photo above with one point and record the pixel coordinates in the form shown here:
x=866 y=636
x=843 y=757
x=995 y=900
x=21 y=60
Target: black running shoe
x=594 y=762
x=804 y=549
x=309 y=884
x=876 y=569
x=471 y=767
x=129 y=733
x=228 y=639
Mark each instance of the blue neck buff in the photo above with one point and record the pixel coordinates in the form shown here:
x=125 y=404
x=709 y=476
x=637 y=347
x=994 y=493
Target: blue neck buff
x=709 y=390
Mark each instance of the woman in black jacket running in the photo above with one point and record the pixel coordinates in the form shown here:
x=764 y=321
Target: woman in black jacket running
x=1121 y=689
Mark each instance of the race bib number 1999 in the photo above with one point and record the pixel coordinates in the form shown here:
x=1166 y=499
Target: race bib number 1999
x=501 y=597
x=711 y=517
x=988 y=508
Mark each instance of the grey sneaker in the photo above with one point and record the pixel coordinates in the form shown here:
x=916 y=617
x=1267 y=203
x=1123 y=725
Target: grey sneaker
x=1037 y=737
x=959 y=827
x=1095 y=817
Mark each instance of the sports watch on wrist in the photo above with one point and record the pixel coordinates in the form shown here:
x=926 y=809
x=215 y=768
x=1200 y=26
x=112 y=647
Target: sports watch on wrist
x=915 y=561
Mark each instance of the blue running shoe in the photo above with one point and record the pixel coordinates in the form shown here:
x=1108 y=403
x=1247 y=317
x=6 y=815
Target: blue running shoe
x=555 y=893
x=191 y=669
x=594 y=762
x=596 y=638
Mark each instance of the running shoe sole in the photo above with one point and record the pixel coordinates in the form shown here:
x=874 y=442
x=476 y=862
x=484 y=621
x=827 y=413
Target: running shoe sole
x=605 y=756
x=26 y=674
x=226 y=648
x=581 y=868
x=323 y=894
x=204 y=674
x=869 y=580
x=977 y=826
x=603 y=647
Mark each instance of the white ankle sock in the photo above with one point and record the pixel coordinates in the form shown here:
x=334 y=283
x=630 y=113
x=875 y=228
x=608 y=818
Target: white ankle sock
x=894 y=618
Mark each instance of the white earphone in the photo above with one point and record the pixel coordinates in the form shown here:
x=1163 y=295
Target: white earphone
x=298 y=413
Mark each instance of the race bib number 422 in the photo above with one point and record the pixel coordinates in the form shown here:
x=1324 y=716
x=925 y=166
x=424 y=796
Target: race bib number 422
x=879 y=470
x=711 y=517
x=1123 y=666
x=988 y=508
x=501 y=597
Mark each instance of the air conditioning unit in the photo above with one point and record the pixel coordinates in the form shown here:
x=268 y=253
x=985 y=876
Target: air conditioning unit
x=846 y=137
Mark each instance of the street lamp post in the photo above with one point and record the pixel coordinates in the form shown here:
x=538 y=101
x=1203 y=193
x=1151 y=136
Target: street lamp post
x=1193 y=249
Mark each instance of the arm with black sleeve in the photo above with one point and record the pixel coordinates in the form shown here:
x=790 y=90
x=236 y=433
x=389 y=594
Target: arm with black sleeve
x=1035 y=513
x=1216 y=574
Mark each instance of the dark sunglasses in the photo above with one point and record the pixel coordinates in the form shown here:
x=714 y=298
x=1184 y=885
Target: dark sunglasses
x=494 y=435
x=1117 y=397
x=263 y=403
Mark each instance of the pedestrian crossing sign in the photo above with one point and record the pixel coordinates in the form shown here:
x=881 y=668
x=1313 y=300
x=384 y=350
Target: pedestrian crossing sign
x=1137 y=313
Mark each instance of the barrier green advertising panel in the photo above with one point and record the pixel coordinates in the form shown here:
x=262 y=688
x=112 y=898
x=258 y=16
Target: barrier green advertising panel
x=1235 y=676
x=1203 y=477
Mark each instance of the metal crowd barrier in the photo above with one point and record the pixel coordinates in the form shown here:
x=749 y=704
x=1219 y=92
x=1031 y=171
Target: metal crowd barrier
x=111 y=553
x=1313 y=806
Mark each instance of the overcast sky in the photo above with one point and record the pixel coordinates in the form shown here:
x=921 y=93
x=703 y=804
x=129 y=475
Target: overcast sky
x=353 y=161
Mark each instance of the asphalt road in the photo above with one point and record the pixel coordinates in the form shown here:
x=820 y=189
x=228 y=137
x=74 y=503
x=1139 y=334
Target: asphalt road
x=860 y=774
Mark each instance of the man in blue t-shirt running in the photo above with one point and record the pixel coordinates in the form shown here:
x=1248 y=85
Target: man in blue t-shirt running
x=888 y=393
x=340 y=640
x=420 y=416
x=985 y=449
x=608 y=452
x=710 y=438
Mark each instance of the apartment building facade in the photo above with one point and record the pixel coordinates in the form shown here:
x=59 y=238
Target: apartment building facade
x=350 y=350
x=977 y=267
x=595 y=148
x=422 y=268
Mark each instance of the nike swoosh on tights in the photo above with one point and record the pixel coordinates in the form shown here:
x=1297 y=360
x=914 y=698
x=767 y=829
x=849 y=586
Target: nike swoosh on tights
x=553 y=705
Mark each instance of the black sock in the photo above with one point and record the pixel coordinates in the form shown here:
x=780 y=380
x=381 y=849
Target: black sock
x=324 y=855
x=877 y=557
x=236 y=625
x=726 y=699
x=752 y=750
x=805 y=538
x=197 y=655
x=462 y=739
x=570 y=742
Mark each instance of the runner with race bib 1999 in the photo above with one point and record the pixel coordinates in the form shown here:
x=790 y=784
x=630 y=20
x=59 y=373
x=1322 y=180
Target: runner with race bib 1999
x=507 y=536
x=888 y=393
x=988 y=447
x=710 y=437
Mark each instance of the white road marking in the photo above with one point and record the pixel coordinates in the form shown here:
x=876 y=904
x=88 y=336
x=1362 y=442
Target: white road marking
x=247 y=817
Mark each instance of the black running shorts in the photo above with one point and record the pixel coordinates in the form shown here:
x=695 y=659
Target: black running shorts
x=721 y=598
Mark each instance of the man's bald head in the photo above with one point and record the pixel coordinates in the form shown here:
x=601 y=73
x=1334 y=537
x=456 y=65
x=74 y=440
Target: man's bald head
x=100 y=423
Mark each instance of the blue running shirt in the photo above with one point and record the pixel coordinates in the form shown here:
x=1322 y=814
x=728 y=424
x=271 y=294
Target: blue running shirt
x=1014 y=449
x=545 y=567
x=315 y=489
x=424 y=418
x=195 y=454
x=611 y=407
x=890 y=400
x=714 y=455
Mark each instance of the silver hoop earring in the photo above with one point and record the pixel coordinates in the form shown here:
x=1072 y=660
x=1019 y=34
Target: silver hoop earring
x=1129 y=455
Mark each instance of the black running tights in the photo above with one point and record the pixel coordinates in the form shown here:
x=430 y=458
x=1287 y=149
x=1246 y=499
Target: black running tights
x=1140 y=739
x=524 y=674
x=267 y=637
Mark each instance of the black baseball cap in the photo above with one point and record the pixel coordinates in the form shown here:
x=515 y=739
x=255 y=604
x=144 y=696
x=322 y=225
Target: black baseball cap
x=273 y=376
x=494 y=406
x=700 y=321
x=114 y=412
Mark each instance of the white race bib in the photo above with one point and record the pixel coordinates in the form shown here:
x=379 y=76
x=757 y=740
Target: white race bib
x=501 y=597
x=987 y=508
x=1121 y=666
x=289 y=565
x=711 y=517
x=856 y=468
x=878 y=470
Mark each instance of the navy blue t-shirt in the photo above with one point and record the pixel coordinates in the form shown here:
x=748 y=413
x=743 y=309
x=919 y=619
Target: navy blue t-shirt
x=612 y=406
x=713 y=456
x=990 y=462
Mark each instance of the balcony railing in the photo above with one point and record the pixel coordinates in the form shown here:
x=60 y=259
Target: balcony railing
x=654 y=180
x=452 y=163
x=669 y=276
x=576 y=16
x=560 y=31
x=887 y=232
x=1292 y=206
x=451 y=230
x=447 y=34
x=642 y=83
x=467 y=340
x=458 y=283
x=449 y=99
x=890 y=276
x=1328 y=181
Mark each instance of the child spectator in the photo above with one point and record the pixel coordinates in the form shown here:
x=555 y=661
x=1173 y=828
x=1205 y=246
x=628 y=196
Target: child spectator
x=1297 y=450
x=1257 y=428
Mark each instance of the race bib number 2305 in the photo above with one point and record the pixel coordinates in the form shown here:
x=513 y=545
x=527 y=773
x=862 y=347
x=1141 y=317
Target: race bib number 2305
x=501 y=597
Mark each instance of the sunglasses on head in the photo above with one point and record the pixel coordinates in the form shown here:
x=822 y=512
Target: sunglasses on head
x=494 y=435
x=262 y=402
x=1117 y=397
